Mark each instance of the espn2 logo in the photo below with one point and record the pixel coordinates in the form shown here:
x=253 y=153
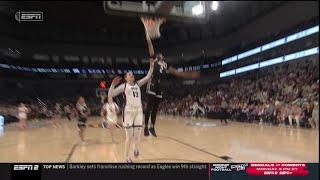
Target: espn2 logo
x=26 y=167
x=29 y=16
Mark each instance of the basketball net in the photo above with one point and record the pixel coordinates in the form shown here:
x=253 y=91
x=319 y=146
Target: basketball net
x=152 y=26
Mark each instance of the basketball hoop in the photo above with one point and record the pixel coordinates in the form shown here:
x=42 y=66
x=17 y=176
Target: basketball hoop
x=152 y=26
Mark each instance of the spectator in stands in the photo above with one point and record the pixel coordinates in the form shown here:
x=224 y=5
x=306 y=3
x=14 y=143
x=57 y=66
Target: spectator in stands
x=307 y=114
x=296 y=114
x=315 y=116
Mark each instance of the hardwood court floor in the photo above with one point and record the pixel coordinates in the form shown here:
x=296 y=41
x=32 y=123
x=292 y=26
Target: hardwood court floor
x=177 y=142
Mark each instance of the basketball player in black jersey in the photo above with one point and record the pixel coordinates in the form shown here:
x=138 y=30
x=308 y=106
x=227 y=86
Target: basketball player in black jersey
x=154 y=90
x=83 y=113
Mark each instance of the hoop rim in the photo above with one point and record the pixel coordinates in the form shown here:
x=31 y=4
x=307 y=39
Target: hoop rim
x=152 y=26
x=157 y=19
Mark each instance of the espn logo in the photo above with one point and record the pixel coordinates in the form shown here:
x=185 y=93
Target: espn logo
x=26 y=167
x=29 y=16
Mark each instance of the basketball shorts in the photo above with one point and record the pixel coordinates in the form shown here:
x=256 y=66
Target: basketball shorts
x=22 y=116
x=109 y=121
x=82 y=122
x=132 y=118
x=154 y=89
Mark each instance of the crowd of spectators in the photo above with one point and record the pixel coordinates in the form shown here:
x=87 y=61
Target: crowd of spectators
x=284 y=94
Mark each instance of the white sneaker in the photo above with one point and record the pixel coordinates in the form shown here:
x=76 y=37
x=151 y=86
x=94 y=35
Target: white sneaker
x=129 y=160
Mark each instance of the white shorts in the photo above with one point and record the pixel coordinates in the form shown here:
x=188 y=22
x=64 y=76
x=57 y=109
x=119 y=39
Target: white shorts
x=132 y=118
x=22 y=116
x=112 y=120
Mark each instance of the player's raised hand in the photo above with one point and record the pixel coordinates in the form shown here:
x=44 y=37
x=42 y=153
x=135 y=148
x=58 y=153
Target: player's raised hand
x=116 y=80
x=151 y=62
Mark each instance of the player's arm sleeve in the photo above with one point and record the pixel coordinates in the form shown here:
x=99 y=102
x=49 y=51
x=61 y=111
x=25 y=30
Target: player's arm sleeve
x=144 y=80
x=150 y=47
x=115 y=91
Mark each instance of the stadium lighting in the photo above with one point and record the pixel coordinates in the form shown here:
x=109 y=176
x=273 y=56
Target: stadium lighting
x=214 y=5
x=197 y=9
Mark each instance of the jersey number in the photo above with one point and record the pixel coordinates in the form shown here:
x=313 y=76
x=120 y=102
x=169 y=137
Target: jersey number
x=135 y=94
x=163 y=67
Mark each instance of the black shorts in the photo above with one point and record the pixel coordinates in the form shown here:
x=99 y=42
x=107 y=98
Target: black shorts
x=82 y=122
x=154 y=89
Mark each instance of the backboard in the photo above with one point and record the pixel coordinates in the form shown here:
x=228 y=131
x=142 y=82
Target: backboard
x=188 y=11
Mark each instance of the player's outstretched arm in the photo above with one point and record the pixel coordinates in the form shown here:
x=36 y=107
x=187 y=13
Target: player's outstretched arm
x=149 y=42
x=144 y=80
x=115 y=91
x=192 y=75
x=150 y=45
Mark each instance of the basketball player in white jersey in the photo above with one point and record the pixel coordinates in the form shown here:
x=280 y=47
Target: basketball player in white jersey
x=132 y=110
x=196 y=108
x=22 y=115
x=109 y=113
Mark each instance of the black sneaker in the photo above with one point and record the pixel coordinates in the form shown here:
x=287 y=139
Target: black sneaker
x=153 y=132
x=146 y=131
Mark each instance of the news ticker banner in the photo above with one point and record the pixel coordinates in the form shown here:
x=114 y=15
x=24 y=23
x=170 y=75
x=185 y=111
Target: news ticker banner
x=199 y=171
